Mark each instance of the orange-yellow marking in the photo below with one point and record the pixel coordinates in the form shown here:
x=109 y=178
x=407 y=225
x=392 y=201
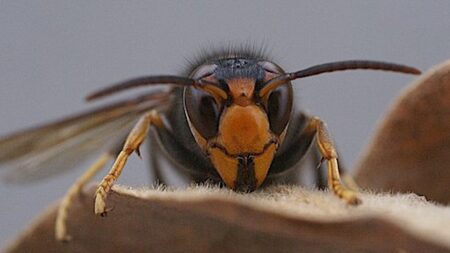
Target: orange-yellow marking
x=244 y=129
x=263 y=162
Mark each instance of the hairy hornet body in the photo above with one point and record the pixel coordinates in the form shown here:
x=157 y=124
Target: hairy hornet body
x=235 y=138
x=230 y=120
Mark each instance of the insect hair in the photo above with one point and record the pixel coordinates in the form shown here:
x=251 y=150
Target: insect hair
x=212 y=53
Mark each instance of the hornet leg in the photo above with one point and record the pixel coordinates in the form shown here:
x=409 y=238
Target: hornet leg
x=328 y=152
x=296 y=145
x=63 y=209
x=132 y=143
x=320 y=175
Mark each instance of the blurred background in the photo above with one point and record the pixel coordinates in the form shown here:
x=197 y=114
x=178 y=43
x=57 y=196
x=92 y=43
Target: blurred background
x=52 y=53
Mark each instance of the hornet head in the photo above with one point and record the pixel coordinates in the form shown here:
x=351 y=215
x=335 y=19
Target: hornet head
x=238 y=129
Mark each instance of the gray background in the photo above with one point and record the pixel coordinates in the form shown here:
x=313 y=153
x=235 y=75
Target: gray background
x=52 y=53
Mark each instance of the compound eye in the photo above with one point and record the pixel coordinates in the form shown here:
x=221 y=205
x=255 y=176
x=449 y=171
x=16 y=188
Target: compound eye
x=279 y=107
x=271 y=67
x=203 y=112
x=203 y=71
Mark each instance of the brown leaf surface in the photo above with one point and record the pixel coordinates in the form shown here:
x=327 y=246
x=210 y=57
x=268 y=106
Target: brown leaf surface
x=157 y=221
x=410 y=151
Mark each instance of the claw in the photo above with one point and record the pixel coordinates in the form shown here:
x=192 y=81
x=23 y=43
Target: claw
x=138 y=151
x=107 y=210
x=320 y=162
x=100 y=205
x=354 y=201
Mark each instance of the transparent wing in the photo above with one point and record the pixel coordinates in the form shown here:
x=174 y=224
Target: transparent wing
x=53 y=148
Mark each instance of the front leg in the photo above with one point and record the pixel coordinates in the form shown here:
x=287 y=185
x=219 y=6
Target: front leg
x=297 y=145
x=132 y=143
x=328 y=152
x=61 y=233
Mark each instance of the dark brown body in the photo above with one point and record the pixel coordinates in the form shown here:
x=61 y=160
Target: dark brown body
x=183 y=151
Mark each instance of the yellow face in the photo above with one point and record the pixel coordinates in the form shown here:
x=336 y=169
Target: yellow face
x=244 y=147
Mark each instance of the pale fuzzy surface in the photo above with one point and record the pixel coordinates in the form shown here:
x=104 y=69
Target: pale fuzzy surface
x=411 y=212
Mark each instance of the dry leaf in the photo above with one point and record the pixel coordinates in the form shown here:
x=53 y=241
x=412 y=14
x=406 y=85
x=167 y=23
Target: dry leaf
x=278 y=219
x=410 y=152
